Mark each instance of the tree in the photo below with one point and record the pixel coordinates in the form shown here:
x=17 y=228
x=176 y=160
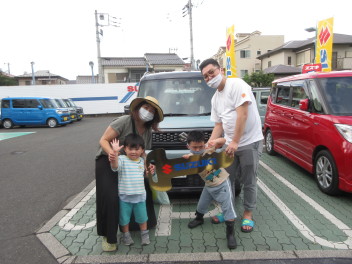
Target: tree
x=7 y=81
x=259 y=79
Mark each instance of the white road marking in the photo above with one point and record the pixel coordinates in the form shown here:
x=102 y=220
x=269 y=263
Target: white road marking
x=65 y=221
x=163 y=227
x=347 y=244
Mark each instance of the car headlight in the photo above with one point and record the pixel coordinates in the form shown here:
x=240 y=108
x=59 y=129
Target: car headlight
x=60 y=112
x=345 y=130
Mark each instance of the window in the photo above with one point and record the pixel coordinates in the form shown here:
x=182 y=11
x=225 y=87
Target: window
x=298 y=93
x=259 y=52
x=269 y=64
x=244 y=73
x=25 y=103
x=5 y=104
x=245 y=53
x=317 y=106
x=264 y=97
x=283 y=94
x=289 y=60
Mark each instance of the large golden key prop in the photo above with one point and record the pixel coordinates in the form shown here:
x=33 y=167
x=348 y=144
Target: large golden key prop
x=169 y=168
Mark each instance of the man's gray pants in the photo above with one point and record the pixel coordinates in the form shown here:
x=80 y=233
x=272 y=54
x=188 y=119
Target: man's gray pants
x=245 y=167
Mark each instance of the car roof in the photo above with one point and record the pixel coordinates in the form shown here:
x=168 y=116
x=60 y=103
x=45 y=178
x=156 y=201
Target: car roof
x=314 y=75
x=260 y=88
x=172 y=75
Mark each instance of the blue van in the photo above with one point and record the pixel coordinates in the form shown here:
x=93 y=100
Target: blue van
x=186 y=102
x=22 y=111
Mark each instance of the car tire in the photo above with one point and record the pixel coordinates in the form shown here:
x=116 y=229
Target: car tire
x=325 y=173
x=7 y=123
x=52 y=122
x=269 y=143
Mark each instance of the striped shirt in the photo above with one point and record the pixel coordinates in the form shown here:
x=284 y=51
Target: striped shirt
x=131 y=176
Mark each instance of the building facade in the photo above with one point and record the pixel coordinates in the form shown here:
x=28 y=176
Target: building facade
x=248 y=46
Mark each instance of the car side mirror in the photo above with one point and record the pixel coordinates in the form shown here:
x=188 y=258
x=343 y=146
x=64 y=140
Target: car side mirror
x=304 y=104
x=40 y=107
x=126 y=109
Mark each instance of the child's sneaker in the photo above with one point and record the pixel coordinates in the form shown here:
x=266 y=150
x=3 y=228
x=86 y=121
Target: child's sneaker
x=127 y=239
x=145 y=237
x=107 y=246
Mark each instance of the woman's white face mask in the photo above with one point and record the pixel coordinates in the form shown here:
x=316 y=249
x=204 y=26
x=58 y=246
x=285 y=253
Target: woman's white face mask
x=215 y=82
x=145 y=115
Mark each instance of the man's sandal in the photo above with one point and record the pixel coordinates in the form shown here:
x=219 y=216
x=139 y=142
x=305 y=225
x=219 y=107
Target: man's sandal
x=217 y=219
x=247 y=222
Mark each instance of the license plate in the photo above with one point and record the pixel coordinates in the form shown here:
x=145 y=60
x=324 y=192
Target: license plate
x=183 y=176
x=73 y=117
x=80 y=115
x=65 y=118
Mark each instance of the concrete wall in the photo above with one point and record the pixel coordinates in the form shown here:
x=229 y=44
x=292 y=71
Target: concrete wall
x=94 y=98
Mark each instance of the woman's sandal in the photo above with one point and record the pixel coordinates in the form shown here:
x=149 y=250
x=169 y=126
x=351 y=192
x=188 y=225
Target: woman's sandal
x=217 y=219
x=247 y=222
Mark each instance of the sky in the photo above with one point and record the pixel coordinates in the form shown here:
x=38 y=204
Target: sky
x=60 y=36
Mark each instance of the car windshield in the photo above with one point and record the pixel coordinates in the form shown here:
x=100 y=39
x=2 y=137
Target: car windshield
x=338 y=94
x=61 y=103
x=49 y=103
x=180 y=96
x=72 y=103
x=67 y=102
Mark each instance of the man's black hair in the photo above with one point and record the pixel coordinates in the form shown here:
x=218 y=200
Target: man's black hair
x=207 y=62
x=195 y=136
x=134 y=141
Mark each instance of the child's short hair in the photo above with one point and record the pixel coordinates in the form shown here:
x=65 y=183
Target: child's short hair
x=195 y=136
x=134 y=141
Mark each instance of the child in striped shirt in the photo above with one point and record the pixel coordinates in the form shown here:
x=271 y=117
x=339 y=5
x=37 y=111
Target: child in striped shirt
x=132 y=194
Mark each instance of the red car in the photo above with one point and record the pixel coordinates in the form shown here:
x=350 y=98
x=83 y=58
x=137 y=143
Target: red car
x=309 y=121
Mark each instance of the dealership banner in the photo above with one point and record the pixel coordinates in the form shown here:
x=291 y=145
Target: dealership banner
x=230 y=53
x=324 y=43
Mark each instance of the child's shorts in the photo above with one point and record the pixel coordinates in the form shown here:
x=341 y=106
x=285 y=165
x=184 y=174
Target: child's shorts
x=139 y=211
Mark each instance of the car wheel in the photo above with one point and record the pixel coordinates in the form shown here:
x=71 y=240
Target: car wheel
x=52 y=122
x=325 y=173
x=7 y=123
x=269 y=143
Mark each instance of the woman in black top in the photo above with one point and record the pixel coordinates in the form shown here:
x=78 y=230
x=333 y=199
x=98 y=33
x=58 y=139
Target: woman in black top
x=145 y=116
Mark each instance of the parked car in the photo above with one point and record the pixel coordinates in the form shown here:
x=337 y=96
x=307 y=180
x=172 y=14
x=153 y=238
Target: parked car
x=261 y=95
x=65 y=103
x=309 y=121
x=79 y=109
x=21 y=111
x=186 y=102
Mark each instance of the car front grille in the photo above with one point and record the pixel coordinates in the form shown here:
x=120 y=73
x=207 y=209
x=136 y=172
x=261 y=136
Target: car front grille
x=171 y=139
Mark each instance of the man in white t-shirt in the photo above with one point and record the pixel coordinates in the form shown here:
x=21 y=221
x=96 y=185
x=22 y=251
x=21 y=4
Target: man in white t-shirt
x=234 y=111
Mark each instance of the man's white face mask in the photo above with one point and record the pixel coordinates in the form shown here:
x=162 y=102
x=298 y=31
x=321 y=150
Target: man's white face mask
x=215 y=82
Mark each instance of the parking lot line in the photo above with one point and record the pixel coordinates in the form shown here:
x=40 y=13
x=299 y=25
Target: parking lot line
x=347 y=244
x=8 y=135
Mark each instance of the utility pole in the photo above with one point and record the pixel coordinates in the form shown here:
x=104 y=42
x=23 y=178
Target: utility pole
x=110 y=21
x=188 y=7
x=100 y=68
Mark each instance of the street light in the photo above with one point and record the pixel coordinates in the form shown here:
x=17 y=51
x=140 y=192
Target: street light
x=33 y=78
x=313 y=29
x=91 y=64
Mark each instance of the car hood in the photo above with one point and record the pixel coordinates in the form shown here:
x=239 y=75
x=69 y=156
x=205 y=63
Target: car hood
x=342 y=120
x=170 y=122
